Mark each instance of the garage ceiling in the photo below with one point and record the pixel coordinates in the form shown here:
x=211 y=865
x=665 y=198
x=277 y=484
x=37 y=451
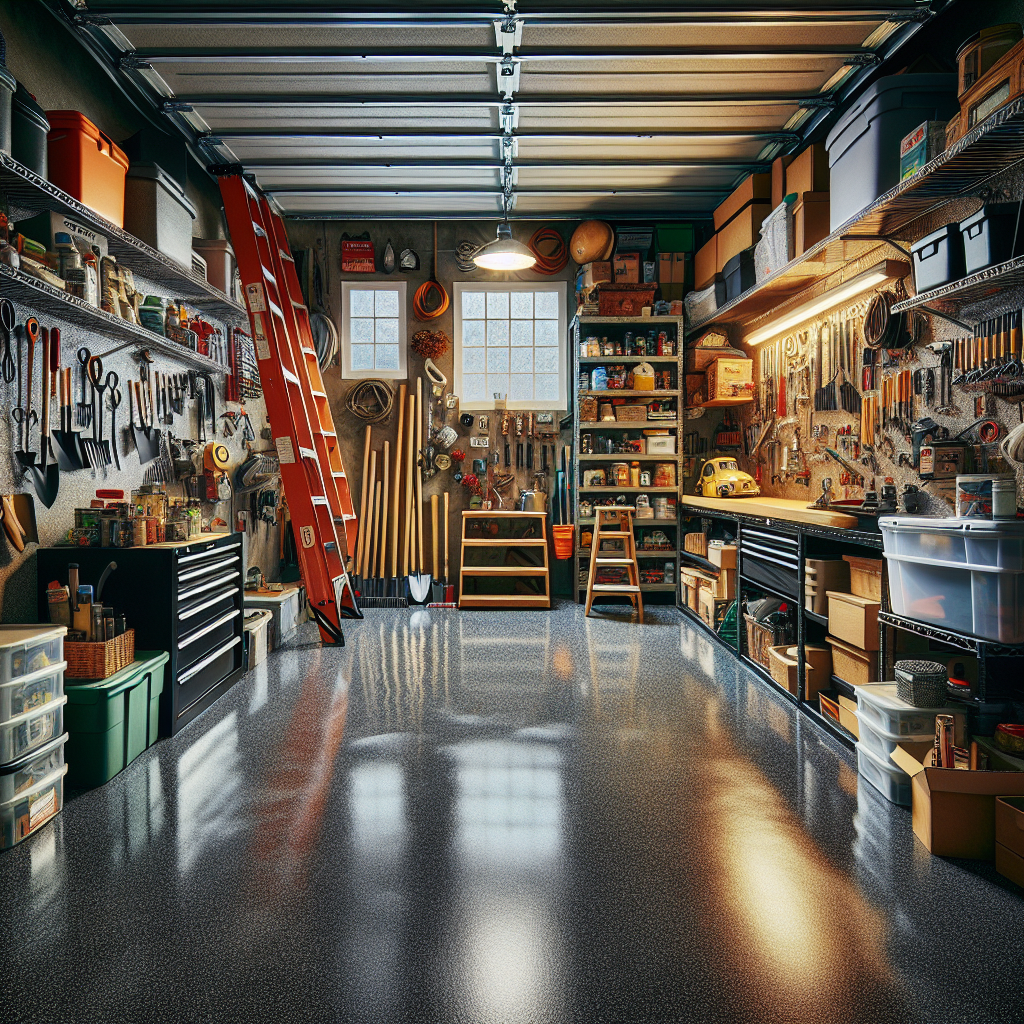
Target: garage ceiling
x=481 y=108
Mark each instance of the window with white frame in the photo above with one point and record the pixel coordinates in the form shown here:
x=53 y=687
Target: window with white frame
x=373 y=330
x=510 y=342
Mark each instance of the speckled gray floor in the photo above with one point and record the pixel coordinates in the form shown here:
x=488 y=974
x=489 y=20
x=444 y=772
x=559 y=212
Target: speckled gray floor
x=476 y=816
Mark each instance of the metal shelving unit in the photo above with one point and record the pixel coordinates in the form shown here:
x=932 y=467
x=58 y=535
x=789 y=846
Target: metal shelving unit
x=28 y=194
x=578 y=329
x=985 y=284
x=45 y=298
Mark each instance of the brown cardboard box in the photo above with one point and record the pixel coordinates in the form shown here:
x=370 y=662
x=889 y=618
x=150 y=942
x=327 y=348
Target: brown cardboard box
x=782 y=666
x=705 y=264
x=728 y=378
x=811 y=223
x=1010 y=823
x=779 y=165
x=680 y=267
x=820 y=576
x=665 y=267
x=599 y=272
x=724 y=587
x=848 y=715
x=672 y=292
x=852 y=665
x=707 y=606
x=1009 y=864
x=839 y=713
x=722 y=555
x=954 y=811
x=755 y=187
x=808 y=171
x=865 y=577
x=817 y=669
x=743 y=231
x=626 y=268
x=853 y=619
x=696 y=384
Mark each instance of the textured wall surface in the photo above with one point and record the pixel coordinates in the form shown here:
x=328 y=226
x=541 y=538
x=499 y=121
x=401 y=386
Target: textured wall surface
x=52 y=65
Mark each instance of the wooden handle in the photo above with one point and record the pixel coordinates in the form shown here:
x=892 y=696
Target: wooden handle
x=384 y=476
x=421 y=562
x=361 y=524
x=369 y=486
x=409 y=539
x=13 y=528
x=446 y=536
x=28 y=388
x=397 y=487
x=433 y=534
x=44 y=386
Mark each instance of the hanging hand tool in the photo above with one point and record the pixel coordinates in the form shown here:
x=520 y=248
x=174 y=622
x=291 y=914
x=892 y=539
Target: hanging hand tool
x=7 y=322
x=115 y=401
x=519 y=440
x=504 y=433
x=83 y=412
x=529 y=440
x=69 y=455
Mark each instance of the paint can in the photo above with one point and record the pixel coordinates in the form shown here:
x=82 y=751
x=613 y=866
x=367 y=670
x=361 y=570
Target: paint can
x=986 y=496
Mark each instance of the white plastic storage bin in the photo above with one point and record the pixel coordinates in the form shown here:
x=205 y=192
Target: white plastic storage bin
x=31 y=809
x=26 y=649
x=26 y=771
x=889 y=780
x=32 y=729
x=880 y=708
x=25 y=693
x=880 y=742
x=998 y=543
x=924 y=537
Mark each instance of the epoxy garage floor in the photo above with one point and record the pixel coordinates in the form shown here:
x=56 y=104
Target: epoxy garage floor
x=487 y=817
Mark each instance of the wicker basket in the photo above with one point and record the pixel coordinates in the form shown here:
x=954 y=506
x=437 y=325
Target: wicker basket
x=625 y=299
x=631 y=413
x=760 y=639
x=99 y=660
x=922 y=683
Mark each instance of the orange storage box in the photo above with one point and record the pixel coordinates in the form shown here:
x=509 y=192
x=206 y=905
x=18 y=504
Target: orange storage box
x=86 y=164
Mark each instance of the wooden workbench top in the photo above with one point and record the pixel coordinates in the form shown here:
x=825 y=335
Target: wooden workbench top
x=775 y=508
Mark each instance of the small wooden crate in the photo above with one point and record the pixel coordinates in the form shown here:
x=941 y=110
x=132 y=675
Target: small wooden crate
x=631 y=413
x=624 y=299
x=760 y=639
x=99 y=660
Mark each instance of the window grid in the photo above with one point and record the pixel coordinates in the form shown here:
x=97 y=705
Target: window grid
x=374 y=316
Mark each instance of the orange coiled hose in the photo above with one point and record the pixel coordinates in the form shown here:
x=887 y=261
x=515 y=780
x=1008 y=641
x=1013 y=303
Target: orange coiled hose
x=423 y=296
x=554 y=261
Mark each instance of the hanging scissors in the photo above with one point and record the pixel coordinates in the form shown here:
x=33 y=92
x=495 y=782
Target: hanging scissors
x=7 y=322
x=115 y=401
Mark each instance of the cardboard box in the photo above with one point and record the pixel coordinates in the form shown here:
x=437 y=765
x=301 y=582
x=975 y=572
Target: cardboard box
x=820 y=576
x=853 y=665
x=808 y=171
x=729 y=378
x=705 y=264
x=954 y=811
x=811 y=222
x=722 y=555
x=681 y=264
x=661 y=445
x=755 y=187
x=706 y=601
x=779 y=165
x=674 y=292
x=865 y=577
x=696 y=389
x=848 y=715
x=817 y=669
x=1010 y=823
x=626 y=268
x=853 y=619
x=665 y=267
x=724 y=587
x=839 y=713
x=783 y=668
x=598 y=272
x=743 y=231
x=1009 y=864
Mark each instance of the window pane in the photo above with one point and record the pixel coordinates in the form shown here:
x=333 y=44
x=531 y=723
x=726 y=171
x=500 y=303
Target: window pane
x=546 y=333
x=497 y=305
x=473 y=389
x=497 y=360
x=547 y=387
x=361 y=332
x=522 y=387
x=387 y=357
x=360 y=302
x=522 y=332
x=362 y=357
x=472 y=332
x=386 y=303
x=387 y=332
x=522 y=360
x=547 y=360
x=497 y=382
x=473 y=360
x=473 y=304
x=522 y=305
x=546 y=306
x=497 y=332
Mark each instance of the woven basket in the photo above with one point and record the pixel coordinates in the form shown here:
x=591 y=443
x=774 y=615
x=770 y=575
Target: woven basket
x=760 y=639
x=922 y=684
x=99 y=660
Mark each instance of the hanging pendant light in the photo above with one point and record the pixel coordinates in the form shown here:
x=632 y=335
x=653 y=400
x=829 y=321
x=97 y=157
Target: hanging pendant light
x=504 y=253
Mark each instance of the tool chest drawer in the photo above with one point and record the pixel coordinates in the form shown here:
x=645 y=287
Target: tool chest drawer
x=202 y=608
x=199 y=680
x=206 y=637
x=772 y=559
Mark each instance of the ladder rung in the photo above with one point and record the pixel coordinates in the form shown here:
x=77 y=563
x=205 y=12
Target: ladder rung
x=286 y=256
x=339 y=474
x=319 y=500
x=307 y=351
x=306 y=453
x=328 y=433
x=299 y=305
x=614 y=561
x=290 y=377
x=317 y=394
x=615 y=588
x=329 y=545
x=275 y=309
x=258 y=228
x=614 y=533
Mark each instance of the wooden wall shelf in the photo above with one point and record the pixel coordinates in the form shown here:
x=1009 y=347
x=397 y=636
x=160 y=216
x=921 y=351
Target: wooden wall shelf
x=512 y=528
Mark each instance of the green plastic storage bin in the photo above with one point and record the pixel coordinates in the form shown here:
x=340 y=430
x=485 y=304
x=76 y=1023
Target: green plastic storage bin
x=113 y=720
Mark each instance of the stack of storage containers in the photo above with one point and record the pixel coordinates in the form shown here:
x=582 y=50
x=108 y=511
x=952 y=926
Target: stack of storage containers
x=885 y=721
x=853 y=622
x=32 y=733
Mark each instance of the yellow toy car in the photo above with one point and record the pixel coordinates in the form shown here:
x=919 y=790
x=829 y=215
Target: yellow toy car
x=723 y=478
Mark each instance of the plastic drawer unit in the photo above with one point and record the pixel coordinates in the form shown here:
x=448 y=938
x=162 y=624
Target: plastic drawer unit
x=977 y=588
x=26 y=649
x=892 y=782
x=23 y=773
x=881 y=710
x=113 y=720
x=31 y=729
x=25 y=694
x=31 y=792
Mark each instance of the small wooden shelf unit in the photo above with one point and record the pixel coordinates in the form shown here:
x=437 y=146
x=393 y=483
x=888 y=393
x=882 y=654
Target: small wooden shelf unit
x=533 y=573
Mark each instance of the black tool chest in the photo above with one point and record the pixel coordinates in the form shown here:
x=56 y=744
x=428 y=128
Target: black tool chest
x=183 y=598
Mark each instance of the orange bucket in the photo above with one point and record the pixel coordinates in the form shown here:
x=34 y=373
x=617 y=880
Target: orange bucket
x=565 y=537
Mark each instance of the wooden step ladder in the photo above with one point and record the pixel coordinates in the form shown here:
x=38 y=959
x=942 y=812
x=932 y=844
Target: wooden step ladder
x=312 y=472
x=614 y=523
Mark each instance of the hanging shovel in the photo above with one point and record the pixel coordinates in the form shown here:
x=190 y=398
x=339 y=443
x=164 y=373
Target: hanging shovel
x=147 y=447
x=69 y=456
x=46 y=475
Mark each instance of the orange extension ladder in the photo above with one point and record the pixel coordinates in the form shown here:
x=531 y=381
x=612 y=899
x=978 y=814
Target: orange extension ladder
x=312 y=473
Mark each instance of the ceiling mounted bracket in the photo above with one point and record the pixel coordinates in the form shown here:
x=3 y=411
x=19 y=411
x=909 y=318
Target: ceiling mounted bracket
x=129 y=62
x=176 y=107
x=877 y=238
x=509 y=118
x=509 y=34
x=932 y=311
x=507 y=73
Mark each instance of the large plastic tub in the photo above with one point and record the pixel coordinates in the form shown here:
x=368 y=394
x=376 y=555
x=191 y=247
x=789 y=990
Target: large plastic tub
x=938 y=258
x=26 y=771
x=113 y=720
x=864 y=146
x=31 y=809
x=29 y=128
x=220 y=261
x=882 y=743
x=7 y=86
x=881 y=709
x=27 y=649
x=26 y=693
x=86 y=164
x=31 y=730
x=156 y=210
x=993 y=235
x=889 y=780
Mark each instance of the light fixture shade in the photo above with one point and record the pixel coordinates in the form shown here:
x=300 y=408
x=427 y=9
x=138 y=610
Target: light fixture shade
x=504 y=253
